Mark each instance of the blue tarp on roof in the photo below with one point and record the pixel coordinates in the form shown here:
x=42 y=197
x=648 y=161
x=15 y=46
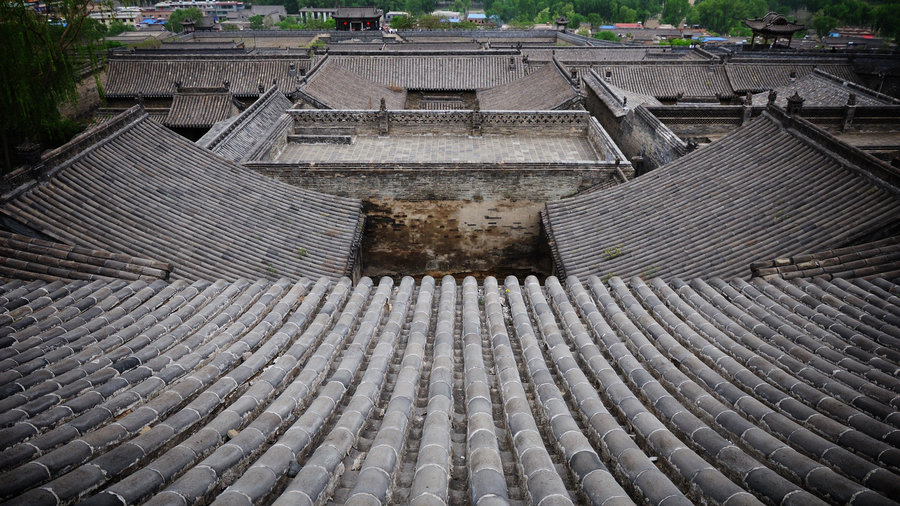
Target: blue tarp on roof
x=713 y=39
x=608 y=27
x=478 y=16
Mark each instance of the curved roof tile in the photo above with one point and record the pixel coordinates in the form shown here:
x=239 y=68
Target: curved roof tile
x=443 y=72
x=762 y=191
x=670 y=82
x=279 y=392
x=24 y=257
x=156 y=76
x=135 y=187
x=233 y=138
x=864 y=261
x=335 y=87
x=544 y=89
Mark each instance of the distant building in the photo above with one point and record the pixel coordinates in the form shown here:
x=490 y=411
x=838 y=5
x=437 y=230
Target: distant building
x=308 y=14
x=358 y=18
x=206 y=24
x=271 y=14
x=479 y=18
x=209 y=8
x=128 y=15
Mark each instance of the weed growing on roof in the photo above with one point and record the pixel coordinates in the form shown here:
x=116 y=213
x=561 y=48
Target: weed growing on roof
x=606 y=277
x=613 y=251
x=302 y=252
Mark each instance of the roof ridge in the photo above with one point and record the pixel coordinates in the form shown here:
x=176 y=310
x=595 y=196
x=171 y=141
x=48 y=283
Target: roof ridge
x=855 y=159
x=854 y=86
x=249 y=113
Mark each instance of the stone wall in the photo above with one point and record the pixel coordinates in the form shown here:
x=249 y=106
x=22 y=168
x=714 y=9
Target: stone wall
x=426 y=219
x=438 y=218
x=456 y=122
x=636 y=132
x=459 y=237
x=701 y=124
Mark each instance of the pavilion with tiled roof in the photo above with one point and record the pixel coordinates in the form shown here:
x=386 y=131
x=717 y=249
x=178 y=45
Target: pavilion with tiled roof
x=772 y=26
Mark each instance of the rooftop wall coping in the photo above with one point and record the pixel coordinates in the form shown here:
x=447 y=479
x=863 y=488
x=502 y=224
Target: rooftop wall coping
x=881 y=173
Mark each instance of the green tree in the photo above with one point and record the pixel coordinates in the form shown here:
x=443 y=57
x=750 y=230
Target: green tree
x=606 y=35
x=256 y=22
x=887 y=20
x=402 y=23
x=521 y=24
x=41 y=66
x=462 y=6
x=823 y=25
x=175 y=19
x=430 y=22
x=720 y=16
x=627 y=14
x=674 y=11
x=117 y=28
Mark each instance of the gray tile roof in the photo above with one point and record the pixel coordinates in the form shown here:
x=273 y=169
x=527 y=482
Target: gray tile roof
x=573 y=55
x=235 y=137
x=157 y=75
x=757 y=77
x=865 y=261
x=133 y=186
x=624 y=99
x=545 y=89
x=449 y=392
x=23 y=257
x=824 y=90
x=445 y=72
x=200 y=108
x=670 y=82
x=332 y=86
x=764 y=191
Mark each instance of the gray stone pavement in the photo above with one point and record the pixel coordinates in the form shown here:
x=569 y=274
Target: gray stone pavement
x=445 y=148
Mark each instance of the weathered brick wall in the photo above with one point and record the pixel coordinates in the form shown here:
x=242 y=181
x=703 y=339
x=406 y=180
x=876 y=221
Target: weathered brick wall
x=454 y=236
x=450 y=218
x=443 y=220
x=540 y=182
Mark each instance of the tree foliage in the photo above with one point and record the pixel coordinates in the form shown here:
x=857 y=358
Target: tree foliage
x=41 y=62
x=292 y=23
x=256 y=22
x=606 y=35
x=117 y=28
x=674 y=11
x=722 y=16
x=823 y=25
x=175 y=19
x=402 y=23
